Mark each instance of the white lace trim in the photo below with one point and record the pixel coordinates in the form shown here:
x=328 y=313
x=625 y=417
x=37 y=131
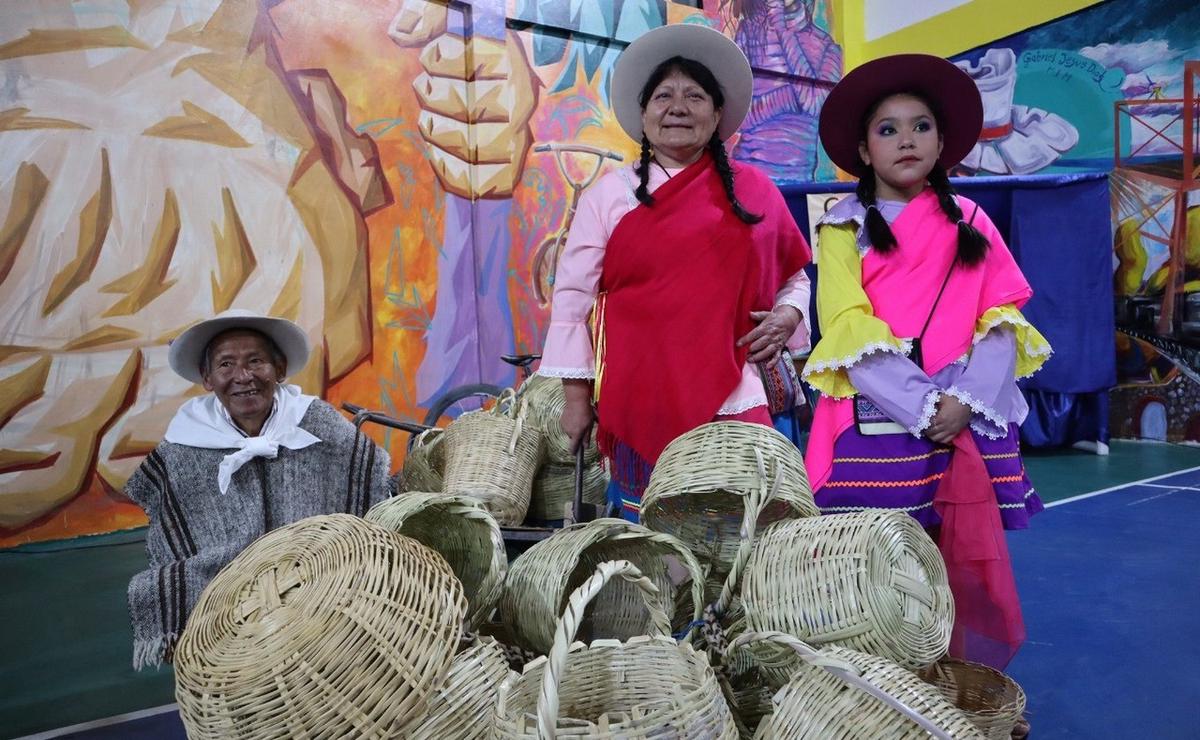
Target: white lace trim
x=983 y=431
x=979 y=407
x=566 y=372
x=1015 y=322
x=851 y=360
x=742 y=406
x=926 y=418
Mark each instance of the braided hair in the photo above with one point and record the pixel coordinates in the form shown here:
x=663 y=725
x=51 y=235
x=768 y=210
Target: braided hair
x=972 y=244
x=708 y=82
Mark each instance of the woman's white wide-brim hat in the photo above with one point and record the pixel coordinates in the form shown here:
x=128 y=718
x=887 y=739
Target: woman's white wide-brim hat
x=710 y=47
x=187 y=350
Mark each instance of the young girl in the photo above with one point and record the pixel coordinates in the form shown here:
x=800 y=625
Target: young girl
x=922 y=339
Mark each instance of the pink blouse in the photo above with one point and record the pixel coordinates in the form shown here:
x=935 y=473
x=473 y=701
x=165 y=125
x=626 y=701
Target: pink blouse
x=568 y=349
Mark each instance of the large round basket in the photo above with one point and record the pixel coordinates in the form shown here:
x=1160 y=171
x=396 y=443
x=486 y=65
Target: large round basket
x=425 y=461
x=492 y=455
x=545 y=400
x=699 y=486
x=465 y=706
x=328 y=627
x=647 y=687
x=872 y=581
x=460 y=530
x=542 y=578
x=554 y=490
x=990 y=699
x=846 y=694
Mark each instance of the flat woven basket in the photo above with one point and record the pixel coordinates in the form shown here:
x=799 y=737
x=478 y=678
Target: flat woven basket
x=648 y=687
x=545 y=400
x=465 y=706
x=841 y=693
x=328 y=627
x=492 y=455
x=425 y=461
x=699 y=485
x=554 y=490
x=460 y=530
x=542 y=578
x=990 y=699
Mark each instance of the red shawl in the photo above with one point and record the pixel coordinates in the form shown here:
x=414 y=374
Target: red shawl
x=679 y=281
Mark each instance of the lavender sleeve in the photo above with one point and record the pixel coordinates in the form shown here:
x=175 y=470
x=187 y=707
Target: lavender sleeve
x=988 y=384
x=898 y=387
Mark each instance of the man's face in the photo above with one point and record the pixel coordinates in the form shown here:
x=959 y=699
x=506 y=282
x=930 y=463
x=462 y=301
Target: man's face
x=243 y=375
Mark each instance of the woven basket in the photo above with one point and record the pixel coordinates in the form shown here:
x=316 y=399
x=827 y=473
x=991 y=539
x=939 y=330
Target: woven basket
x=328 y=627
x=492 y=455
x=872 y=581
x=460 y=530
x=648 y=687
x=845 y=694
x=554 y=490
x=990 y=699
x=698 y=488
x=425 y=461
x=542 y=578
x=544 y=398
x=465 y=706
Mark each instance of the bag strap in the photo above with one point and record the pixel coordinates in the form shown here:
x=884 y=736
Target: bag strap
x=945 y=281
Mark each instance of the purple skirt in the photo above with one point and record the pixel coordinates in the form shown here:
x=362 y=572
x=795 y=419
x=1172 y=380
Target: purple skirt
x=902 y=472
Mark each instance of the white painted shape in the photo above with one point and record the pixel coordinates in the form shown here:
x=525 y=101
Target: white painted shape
x=882 y=17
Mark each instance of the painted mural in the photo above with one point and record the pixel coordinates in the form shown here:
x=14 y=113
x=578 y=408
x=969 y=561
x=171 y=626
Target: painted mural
x=395 y=176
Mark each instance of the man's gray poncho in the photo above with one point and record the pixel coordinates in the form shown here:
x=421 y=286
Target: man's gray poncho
x=195 y=530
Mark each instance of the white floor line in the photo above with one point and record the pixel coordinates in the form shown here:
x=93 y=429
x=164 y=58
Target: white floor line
x=1110 y=489
x=1173 y=488
x=116 y=719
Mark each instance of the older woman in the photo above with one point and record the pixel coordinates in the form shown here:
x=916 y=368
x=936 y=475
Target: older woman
x=689 y=266
x=251 y=455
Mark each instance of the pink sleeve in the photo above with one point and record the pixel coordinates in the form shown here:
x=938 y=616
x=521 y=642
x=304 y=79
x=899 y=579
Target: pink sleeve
x=795 y=293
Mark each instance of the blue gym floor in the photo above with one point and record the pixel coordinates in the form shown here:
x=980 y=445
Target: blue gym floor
x=1110 y=583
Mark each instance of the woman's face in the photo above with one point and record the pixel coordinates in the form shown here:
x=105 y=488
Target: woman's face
x=679 y=119
x=902 y=146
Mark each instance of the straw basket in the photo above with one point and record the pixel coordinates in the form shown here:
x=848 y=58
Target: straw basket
x=492 y=455
x=544 y=398
x=845 y=694
x=990 y=699
x=554 y=490
x=648 y=687
x=328 y=627
x=872 y=581
x=542 y=578
x=698 y=488
x=465 y=706
x=425 y=461
x=461 y=531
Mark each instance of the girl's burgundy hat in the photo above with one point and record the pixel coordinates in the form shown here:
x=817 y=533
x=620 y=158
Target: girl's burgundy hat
x=949 y=90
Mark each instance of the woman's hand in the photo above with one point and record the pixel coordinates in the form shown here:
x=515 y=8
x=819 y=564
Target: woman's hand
x=951 y=418
x=577 y=414
x=771 y=335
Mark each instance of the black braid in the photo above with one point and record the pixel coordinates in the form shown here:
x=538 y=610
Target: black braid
x=878 y=231
x=721 y=160
x=643 y=172
x=972 y=244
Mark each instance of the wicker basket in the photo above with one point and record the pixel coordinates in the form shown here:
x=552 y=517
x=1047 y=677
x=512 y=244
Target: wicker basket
x=990 y=699
x=698 y=488
x=872 y=581
x=648 y=687
x=545 y=400
x=465 y=706
x=462 y=531
x=542 y=578
x=493 y=455
x=845 y=694
x=554 y=490
x=328 y=627
x=425 y=461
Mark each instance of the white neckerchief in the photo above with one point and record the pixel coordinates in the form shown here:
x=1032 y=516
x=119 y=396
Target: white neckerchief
x=204 y=422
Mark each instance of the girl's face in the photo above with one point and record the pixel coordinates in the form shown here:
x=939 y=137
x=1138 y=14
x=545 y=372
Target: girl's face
x=902 y=146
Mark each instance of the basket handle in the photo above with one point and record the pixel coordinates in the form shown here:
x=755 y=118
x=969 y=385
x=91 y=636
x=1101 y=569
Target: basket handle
x=841 y=669
x=568 y=627
x=690 y=564
x=756 y=502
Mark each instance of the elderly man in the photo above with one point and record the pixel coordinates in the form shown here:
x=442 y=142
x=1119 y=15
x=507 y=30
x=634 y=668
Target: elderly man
x=251 y=455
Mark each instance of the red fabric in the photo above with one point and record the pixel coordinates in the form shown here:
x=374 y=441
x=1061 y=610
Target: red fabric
x=680 y=279
x=988 y=626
